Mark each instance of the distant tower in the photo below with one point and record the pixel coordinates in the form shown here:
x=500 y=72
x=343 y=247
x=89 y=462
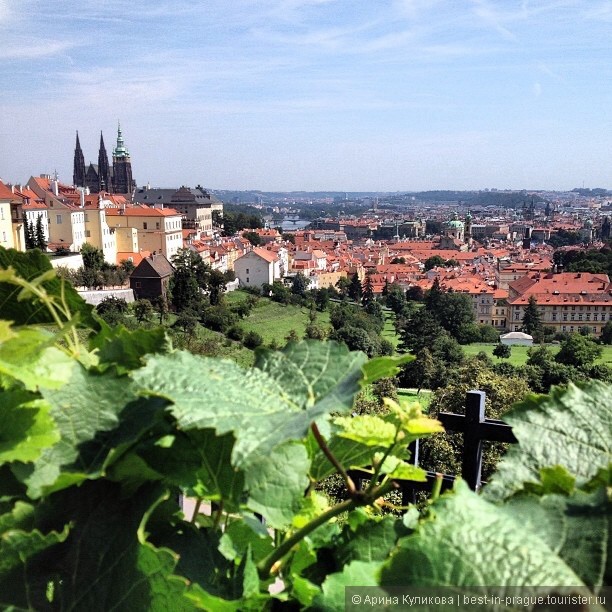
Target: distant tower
x=548 y=209
x=468 y=228
x=104 y=177
x=605 y=229
x=78 y=173
x=122 y=167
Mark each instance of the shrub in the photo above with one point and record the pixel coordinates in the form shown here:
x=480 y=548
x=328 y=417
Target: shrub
x=252 y=340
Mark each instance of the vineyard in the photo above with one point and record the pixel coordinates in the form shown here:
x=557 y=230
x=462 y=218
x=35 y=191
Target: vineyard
x=104 y=431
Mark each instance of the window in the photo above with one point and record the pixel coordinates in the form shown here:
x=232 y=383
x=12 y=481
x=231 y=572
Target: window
x=3 y=236
x=247 y=270
x=554 y=316
x=2 y=213
x=87 y=234
x=247 y=279
x=565 y=316
x=138 y=285
x=58 y=219
x=157 y=225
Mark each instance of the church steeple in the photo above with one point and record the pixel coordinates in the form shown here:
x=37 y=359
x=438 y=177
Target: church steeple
x=78 y=173
x=122 y=167
x=104 y=178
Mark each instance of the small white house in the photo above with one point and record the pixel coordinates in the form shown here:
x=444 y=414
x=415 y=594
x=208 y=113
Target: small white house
x=257 y=267
x=517 y=337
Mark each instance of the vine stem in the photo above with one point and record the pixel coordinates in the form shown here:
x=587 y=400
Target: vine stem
x=350 y=485
x=265 y=565
x=196 y=510
x=359 y=499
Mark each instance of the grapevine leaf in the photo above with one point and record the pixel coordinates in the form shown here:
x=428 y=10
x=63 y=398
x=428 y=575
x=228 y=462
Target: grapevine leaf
x=371 y=540
x=489 y=549
x=577 y=528
x=29 y=357
x=275 y=490
x=242 y=534
x=360 y=573
x=218 y=394
x=87 y=412
x=570 y=428
x=349 y=453
x=313 y=372
x=91 y=569
x=383 y=367
x=25 y=427
x=399 y=469
x=366 y=429
x=30 y=266
x=199 y=462
x=125 y=349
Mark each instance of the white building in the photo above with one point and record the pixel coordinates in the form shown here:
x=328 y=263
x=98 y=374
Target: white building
x=257 y=267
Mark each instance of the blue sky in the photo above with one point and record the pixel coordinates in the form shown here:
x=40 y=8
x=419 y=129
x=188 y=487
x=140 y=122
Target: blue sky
x=313 y=94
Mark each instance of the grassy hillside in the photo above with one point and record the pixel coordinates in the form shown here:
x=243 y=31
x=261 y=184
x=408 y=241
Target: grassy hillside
x=274 y=321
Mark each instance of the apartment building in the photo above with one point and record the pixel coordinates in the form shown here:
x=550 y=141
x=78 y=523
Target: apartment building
x=567 y=301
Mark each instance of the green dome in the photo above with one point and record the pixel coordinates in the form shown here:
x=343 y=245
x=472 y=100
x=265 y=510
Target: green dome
x=455 y=224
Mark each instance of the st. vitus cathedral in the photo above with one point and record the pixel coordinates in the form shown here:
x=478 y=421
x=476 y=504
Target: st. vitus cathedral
x=101 y=176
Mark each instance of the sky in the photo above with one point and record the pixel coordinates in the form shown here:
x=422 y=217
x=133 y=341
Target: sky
x=280 y=95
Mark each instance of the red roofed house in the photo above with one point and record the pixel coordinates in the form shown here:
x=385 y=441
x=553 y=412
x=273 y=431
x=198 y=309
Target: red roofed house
x=567 y=302
x=257 y=267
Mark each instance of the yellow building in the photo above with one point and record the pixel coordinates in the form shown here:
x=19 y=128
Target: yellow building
x=11 y=220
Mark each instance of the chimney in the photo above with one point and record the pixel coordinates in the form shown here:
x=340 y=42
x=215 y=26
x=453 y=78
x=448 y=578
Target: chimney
x=82 y=197
x=55 y=187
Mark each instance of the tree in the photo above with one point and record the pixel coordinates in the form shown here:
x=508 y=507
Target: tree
x=355 y=291
x=343 y=285
x=299 y=284
x=216 y=284
x=93 y=258
x=502 y=351
x=315 y=332
x=322 y=298
x=578 y=351
x=252 y=340
x=433 y=297
x=143 y=310
x=395 y=299
x=415 y=293
x=253 y=237
x=39 y=237
x=30 y=242
x=606 y=333
x=424 y=369
x=433 y=262
x=112 y=310
x=187 y=321
x=454 y=312
x=368 y=291
x=191 y=277
x=532 y=320
x=419 y=331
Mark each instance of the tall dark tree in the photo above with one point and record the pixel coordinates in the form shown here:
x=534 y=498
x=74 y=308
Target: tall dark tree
x=299 y=285
x=434 y=296
x=39 y=237
x=368 y=291
x=532 y=320
x=93 y=258
x=216 y=283
x=30 y=242
x=419 y=331
x=355 y=290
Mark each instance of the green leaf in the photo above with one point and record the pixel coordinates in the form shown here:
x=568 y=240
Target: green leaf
x=474 y=543
x=313 y=372
x=242 y=534
x=87 y=411
x=366 y=429
x=372 y=540
x=577 y=528
x=218 y=394
x=29 y=357
x=199 y=462
x=383 y=367
x=357 y=573
x=125 y=350
x=276 y=490
x=93 y=569
x=569 y=428
x=399 y=469
x=30 y=266
x=25 y=427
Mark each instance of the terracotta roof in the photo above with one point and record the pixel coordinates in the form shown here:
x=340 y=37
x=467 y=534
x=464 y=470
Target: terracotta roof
x=6 y=193
x=265 y=254
x=142 y=211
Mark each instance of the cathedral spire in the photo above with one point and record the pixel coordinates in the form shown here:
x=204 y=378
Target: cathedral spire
x=78 y=173
x=104 y=178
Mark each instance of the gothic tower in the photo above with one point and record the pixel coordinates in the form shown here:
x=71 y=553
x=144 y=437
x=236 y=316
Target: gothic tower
x=78 y=173
x=104 y=175
x=122 y=167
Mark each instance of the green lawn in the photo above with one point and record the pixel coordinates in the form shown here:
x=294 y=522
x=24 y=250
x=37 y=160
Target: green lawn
x=274 y=321
x=424 y=398
x=519 y=353
x=388 y=331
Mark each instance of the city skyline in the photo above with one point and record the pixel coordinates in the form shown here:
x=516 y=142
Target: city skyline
x=282 y=95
